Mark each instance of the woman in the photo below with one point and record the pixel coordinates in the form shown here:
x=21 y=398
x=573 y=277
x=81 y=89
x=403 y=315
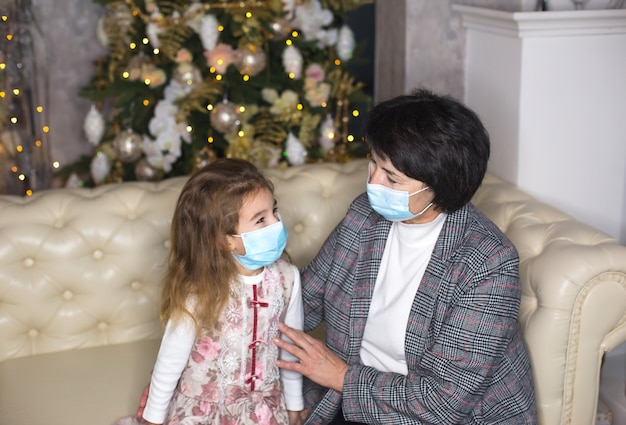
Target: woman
x=418 y=290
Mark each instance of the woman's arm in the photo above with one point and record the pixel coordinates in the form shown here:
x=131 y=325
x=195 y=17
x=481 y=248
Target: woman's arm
x=453 y=371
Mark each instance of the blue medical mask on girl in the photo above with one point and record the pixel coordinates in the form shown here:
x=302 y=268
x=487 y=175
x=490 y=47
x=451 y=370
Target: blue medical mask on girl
x=263 y=246
x=392 y=204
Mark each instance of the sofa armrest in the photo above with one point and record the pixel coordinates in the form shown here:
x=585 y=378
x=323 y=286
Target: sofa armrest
x=574 y=298
x=93 y=385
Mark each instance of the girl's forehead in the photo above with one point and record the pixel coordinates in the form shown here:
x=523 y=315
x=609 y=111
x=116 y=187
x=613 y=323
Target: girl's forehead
x=257 y=201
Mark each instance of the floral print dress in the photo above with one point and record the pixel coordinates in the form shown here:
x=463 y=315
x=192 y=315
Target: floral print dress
x=231 y=376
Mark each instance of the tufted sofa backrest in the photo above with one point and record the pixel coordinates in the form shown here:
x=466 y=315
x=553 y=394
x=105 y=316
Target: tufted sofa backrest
x=82 y=267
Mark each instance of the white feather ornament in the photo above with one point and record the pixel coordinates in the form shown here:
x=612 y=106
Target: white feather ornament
x=296 y=152
x=292 y=61
x=345 y=43
x=209 y=32
x=100 y=167
x=327 y=134
x=94 y=126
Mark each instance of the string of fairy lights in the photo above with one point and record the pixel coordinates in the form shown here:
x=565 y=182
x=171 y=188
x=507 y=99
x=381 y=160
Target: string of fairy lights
x=342 y=110
x=13 y=121
x=10 y=119
x=218 y=77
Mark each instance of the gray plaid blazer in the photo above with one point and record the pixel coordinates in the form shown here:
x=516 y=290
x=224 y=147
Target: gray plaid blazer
x=467 y=362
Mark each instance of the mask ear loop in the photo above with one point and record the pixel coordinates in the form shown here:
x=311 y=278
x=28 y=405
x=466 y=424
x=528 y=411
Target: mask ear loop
x=424 y=210
x=426 y=207
x=419 y=191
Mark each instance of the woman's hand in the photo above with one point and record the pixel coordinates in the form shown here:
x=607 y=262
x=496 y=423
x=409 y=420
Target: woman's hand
x=297 y=417
x=317 y=362
x=142 y=401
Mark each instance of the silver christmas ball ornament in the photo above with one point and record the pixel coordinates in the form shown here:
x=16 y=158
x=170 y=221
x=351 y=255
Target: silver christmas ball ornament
x=252 y=60
x=187 y=74
x=281 y=28
x=128 y=146
x=145 y=172
x=225 y=117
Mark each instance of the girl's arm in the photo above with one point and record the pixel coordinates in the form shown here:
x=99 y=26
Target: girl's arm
x=173 y=356
x=292 y=381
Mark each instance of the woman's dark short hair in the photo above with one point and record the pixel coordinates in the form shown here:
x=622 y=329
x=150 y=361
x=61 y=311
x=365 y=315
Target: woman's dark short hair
x=434 y=139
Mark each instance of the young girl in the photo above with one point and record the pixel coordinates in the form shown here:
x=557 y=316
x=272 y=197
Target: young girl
x=225 y=291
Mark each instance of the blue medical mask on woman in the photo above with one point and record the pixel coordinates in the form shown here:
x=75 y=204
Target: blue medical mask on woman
x=393 y=204
x=263 y=246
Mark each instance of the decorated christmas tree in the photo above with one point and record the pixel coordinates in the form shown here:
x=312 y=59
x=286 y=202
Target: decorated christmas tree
x=185 y=82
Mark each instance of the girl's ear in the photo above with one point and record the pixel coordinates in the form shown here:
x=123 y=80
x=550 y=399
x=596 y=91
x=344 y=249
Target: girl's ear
x=232 y=243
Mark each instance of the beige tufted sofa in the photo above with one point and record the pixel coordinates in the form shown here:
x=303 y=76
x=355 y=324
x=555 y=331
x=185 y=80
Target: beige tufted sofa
x=79 y=289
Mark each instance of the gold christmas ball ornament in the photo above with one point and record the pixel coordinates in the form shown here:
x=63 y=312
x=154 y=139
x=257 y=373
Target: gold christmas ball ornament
x=252 y=60
x=225 y=117
x=135 y=66
x=203 y=157
x=187 y=74
x=128 y=146
x=145 y=172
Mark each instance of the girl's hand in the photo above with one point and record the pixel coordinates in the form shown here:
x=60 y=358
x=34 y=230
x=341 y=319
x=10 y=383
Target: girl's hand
x=317 y=362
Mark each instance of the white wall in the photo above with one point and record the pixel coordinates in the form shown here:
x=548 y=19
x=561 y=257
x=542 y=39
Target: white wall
x=551 y=90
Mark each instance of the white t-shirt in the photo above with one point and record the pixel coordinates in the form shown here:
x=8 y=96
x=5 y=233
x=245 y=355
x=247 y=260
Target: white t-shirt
x=407 y=253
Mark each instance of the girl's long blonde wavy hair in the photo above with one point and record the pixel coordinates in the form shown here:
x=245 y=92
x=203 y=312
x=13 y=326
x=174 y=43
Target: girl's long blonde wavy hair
x=200 y=264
